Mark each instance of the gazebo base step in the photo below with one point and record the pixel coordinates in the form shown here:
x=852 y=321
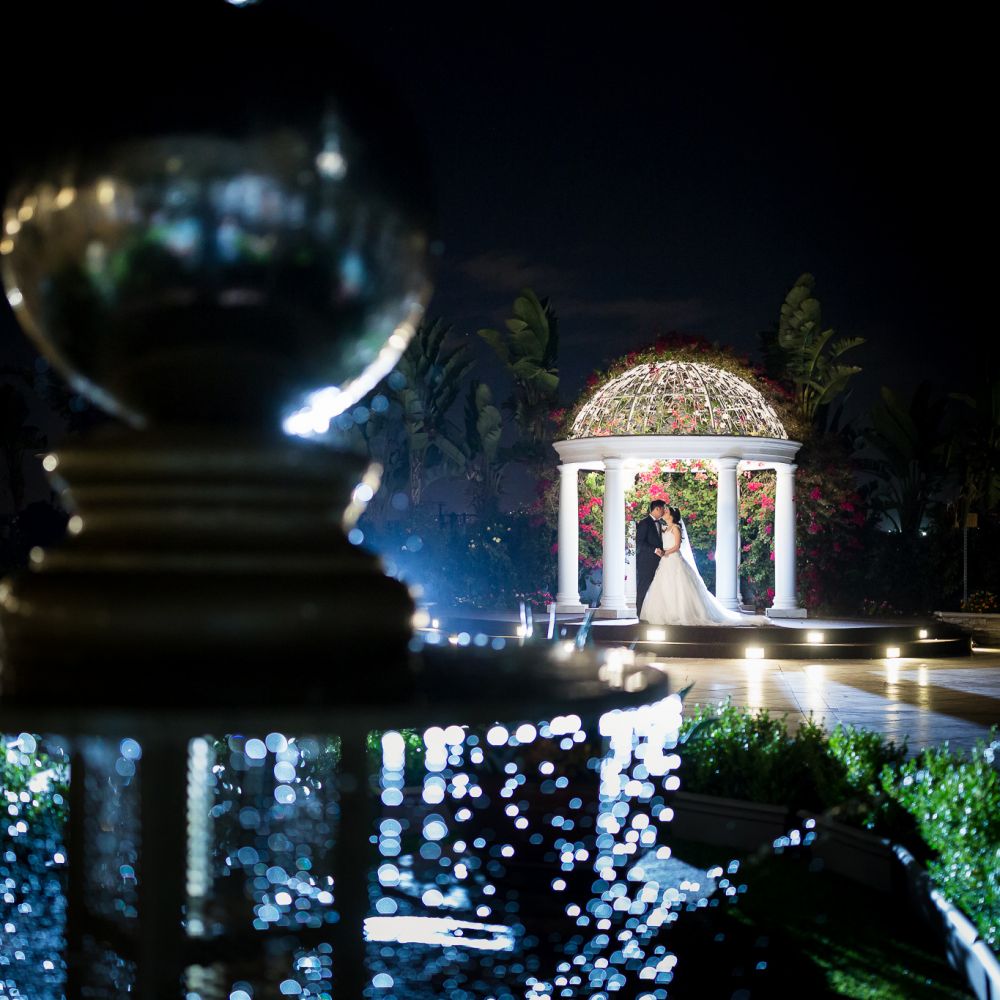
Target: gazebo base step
x=566 y=609
x=615 y=613
x=785 y=612
x=790 y=639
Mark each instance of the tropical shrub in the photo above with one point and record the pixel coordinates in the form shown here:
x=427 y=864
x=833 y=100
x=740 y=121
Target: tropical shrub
x=949 y=800
x=34 y=781
x=476 y=562
x=981 y=602
x=741 y=754
x=955 y=800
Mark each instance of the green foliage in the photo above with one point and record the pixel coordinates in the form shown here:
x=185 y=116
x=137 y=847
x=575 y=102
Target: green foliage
x=955 y=800
x=482 y=457
x=433 y=379
x=486 y=562
x=529 y=350
x=910 y=445
x=35 y=786
x=864 y=755
x=974 y=448
x=951 y=799
x=831 y=519
x=750 y=755
x=805 y=354
x=413 y=751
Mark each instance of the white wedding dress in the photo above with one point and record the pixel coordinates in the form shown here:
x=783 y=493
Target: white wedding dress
x=678 y=595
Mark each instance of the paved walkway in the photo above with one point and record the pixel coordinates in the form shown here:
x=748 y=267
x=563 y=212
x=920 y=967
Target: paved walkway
x=929 y=701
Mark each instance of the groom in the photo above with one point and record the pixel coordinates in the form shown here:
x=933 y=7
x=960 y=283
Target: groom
x=648 y=549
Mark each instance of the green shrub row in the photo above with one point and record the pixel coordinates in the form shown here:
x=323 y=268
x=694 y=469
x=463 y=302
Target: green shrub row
x=943 y=803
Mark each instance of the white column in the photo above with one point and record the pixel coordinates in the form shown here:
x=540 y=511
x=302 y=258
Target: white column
x=568 y=597
x=613 y=597
x=785 y=604
x=726 y=531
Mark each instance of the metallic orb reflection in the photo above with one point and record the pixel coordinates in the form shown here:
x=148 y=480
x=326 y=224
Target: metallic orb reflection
x=217 y=244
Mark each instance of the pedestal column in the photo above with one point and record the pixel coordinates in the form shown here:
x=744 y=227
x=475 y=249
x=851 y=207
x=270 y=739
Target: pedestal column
x=785 y=604
x=568 y=596
x=613 y=598
x=726 y=525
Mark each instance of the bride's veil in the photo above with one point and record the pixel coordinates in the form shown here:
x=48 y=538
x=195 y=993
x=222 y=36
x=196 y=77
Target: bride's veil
x=720 y=613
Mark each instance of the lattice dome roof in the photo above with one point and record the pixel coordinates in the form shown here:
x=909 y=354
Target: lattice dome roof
x=677 y=397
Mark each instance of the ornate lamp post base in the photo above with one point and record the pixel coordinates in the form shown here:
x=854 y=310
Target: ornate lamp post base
x=195 y=549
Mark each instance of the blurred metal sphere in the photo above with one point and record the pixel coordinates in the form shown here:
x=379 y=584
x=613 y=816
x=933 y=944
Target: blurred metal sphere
x=211 y=244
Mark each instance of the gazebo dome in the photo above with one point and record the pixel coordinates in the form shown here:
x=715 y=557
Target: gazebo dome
x=674 y=398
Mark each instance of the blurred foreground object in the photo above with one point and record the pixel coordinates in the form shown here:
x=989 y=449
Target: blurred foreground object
x=222 y=242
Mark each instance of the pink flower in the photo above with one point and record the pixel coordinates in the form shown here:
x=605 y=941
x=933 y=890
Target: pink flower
x=711 y=555
x=814 y=493
x=555 y=548
x=771 y=557
x=814 y=528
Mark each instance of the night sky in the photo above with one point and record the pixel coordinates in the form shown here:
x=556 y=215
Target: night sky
x=669 y=169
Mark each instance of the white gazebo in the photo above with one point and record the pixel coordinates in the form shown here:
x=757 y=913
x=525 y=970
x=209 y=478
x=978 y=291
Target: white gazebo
x=675 y=410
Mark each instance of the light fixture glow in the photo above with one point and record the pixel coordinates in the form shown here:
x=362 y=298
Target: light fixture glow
x=754 y=653
x=892 y=652
x=440 y=931
x=922 y=634
x=656 y=634
x=814 y=637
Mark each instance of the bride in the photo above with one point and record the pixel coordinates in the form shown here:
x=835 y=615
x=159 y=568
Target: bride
x=678 y=595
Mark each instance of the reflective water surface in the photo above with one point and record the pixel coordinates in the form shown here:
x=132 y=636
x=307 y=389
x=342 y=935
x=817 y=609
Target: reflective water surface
x=526 y=858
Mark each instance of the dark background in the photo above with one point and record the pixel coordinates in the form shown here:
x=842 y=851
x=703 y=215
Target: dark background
x=665 y=168
x=668 y=168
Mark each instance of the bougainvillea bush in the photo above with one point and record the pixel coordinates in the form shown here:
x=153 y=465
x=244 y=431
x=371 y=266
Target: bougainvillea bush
x=830 y=516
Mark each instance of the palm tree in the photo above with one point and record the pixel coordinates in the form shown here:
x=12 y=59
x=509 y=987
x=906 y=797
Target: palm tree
x=910 y=447
x=976 y=447
x=801 y=351
x=433 y=379
x=484 y=466
x=529 y=350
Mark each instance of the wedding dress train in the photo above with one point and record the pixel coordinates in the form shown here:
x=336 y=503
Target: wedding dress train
x=678 y=596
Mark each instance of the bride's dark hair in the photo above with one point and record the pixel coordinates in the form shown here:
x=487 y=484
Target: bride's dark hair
x=675 y=513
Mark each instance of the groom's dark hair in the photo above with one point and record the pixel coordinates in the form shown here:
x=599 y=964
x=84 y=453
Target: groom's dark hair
x=653 y=504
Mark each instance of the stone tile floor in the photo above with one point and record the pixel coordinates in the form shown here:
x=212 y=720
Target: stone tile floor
x=928 y=701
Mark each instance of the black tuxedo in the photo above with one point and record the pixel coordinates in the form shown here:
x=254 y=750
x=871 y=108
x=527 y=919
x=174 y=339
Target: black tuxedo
x=647 y=541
